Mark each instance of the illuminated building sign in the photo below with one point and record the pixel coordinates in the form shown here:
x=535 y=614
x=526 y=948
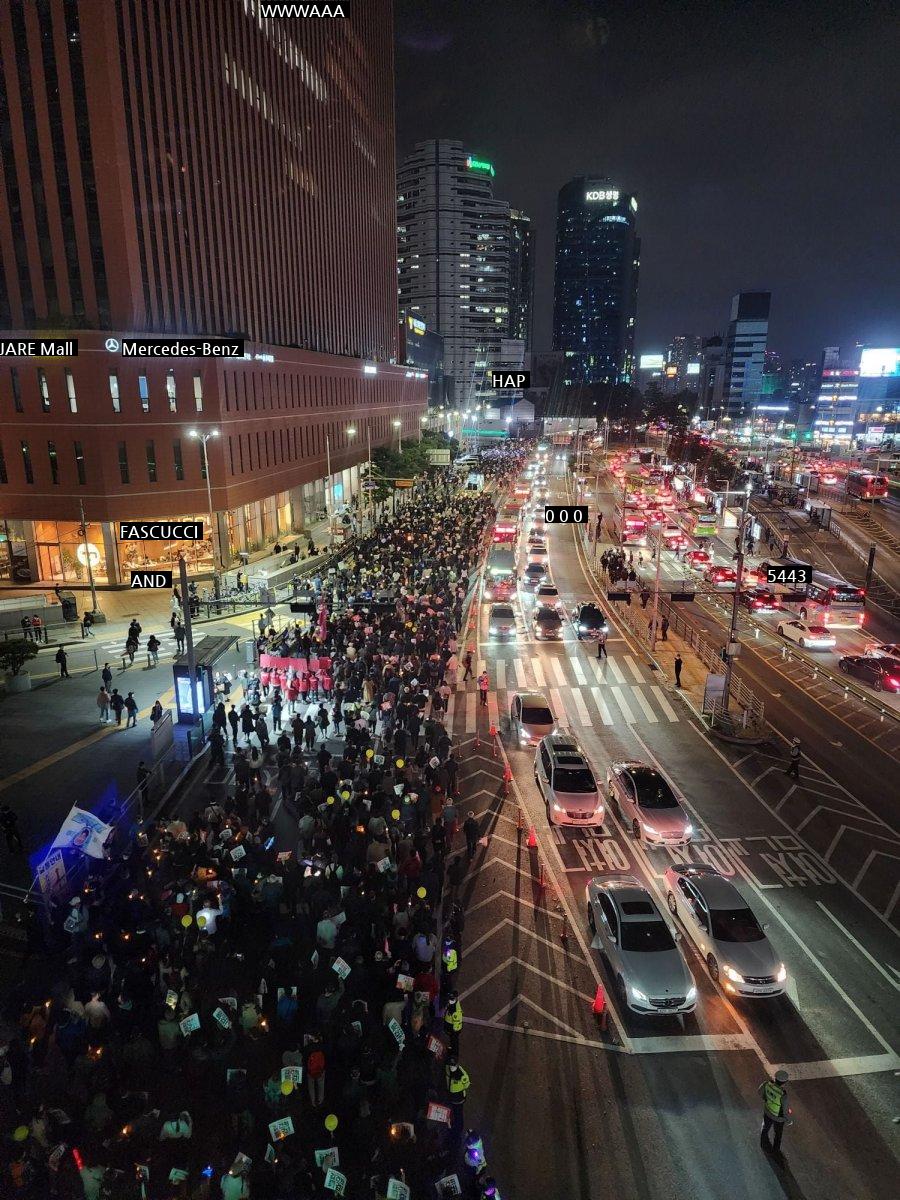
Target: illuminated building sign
x=608 y=194
x=477 y=164
x=693 y=368
x=416 y=325
x=652 y=362
x=874 y=364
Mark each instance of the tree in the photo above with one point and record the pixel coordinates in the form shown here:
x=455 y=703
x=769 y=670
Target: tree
x=15 y=653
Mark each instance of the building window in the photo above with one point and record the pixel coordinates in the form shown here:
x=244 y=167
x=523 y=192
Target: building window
x=26 y=462
x=151 y=461
x=79 y=463
x=16 y=389
x=170 y=389
x=114 y=393
x=54 y=463
x=179 y=462
x=3 y=475
x=70 y=392
x=44 y=390
x=123 y=462
x=144 y=390
x=198 y=393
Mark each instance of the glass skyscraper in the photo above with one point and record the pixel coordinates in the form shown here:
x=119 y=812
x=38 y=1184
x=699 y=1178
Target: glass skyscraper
x=595 y=293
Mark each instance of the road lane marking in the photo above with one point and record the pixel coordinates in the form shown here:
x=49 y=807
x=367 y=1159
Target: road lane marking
x=500 y=967
x=633 y=668
x=615 y=671
x=530 y=1032
x=578 y=669
x=832 y=1068
x=623 y=704
x=583 y=714
x=493 y=710
x=648 y=711
x=559 y=708
x=520 y=673
x=471 y=715
x=663 y=702
x=892 y=979
x=558 y=673
x=501 y=674
x=520 y=999
x=538 y=672
x=605 y=714
x=692 y=1042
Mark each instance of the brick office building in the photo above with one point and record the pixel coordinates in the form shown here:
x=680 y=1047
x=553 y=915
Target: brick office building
x=172 y=169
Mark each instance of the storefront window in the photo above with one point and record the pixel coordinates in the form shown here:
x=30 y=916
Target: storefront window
x=13 y=553
x=135 y=556
x=63 y=553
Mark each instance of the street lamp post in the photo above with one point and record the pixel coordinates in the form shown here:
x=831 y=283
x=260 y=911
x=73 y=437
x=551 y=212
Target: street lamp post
x=329 y=497
x=218 y=565
x=736 y=600
x=656 y=589
x=398 y=425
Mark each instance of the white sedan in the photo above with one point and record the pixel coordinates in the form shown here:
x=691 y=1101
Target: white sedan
x=647 y=803
x=730 y=939
x=809 y=637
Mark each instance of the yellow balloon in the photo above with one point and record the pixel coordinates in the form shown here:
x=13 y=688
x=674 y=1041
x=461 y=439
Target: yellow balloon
x=21 y=1132
x=395 y=813
x=400 y=763
x=370 y=753
x=421 y=893
x=287 y=1087
x=345 y=795
x=331 y=1122
x=187 y=920
x=329 y=799
x=201 y=921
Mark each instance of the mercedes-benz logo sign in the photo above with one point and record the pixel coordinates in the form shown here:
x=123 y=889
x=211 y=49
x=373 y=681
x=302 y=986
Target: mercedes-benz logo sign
x=112 y=345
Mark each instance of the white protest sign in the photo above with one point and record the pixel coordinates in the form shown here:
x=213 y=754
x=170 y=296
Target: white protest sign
x=397 y=1190
x=449 y=1186
x=397 y=1031
x=238 y=853
x=438 y=1112
x=281 y=1129
x=229 y=1002
x=222 y=1017
x=292 y=1075
x=328 y=1158
x=189 y=1024
x=435 y=1046
x=405 y=983
x=176 y=1175
x=171 y=998
x=270 y=1155
x=341 y=967
x=335 y=1182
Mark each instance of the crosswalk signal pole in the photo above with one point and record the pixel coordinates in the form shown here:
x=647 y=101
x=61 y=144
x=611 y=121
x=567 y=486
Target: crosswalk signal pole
x=188 y=632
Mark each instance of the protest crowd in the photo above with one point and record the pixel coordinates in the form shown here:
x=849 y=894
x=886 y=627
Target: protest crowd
x=257 y=999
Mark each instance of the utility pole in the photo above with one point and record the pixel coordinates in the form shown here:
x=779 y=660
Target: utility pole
x=736 y=600
x=329 y=496
x=218 y=565
x=656 y=590
x=90 y=565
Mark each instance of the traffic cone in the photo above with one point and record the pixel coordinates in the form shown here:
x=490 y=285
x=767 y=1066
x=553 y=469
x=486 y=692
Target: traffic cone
x=599 y=1006
x=532 y=838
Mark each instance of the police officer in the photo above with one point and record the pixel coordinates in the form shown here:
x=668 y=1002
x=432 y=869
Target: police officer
x=449 y=965
x=775 y=1110
x=794 y=766
x=457 y=1080
x=453 y=1021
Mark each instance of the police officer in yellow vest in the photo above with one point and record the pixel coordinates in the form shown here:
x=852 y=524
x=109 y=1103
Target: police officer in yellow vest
x=449 y=965
x=457 y=1080
x=775 y=1110
x=453 y=1022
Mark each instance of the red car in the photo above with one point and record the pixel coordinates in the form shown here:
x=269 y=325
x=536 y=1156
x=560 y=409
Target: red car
x=760 y=600
x=699 y=560
x=721 y=577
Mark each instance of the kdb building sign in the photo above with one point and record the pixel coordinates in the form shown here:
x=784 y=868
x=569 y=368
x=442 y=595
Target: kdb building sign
x=610 y=194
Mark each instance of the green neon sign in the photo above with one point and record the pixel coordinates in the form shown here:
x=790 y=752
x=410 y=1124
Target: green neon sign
x=477 y=164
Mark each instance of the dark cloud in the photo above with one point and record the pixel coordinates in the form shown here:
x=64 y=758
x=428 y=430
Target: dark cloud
x=761 y=139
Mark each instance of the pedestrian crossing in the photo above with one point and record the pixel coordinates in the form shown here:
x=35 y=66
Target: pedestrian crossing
x=167 y=646
x=583 y=692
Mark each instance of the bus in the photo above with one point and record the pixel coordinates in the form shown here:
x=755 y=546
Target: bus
x=500 y=574
x=831 y=601
x=697 y=521
x=630 y=527
x=506 y=526
x=522 y=489
x=866 y=485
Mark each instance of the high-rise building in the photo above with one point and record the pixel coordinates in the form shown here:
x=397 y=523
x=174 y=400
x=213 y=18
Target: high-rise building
x=878 y=416
x=174 y=170
x=453 y=261
x=836 y=401
x=712 y=378
x=595 y=290
x=745 y=352
x=521 y=277
x=684 y=355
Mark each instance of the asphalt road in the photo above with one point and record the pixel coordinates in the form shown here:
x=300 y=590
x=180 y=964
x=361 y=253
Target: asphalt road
x=671 y=1110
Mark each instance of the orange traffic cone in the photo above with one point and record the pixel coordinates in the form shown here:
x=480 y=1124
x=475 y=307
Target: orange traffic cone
x=532 y=838
x=599 y=1006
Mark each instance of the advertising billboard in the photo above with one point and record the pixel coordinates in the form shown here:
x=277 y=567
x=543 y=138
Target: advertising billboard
x=875 y=364
x=652 y=362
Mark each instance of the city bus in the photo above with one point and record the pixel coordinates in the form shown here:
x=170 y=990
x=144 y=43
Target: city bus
x=500 y=574
x=831 y=601
x=630 y=527
x=866 y=485
x=697 y=521
x=506 y=525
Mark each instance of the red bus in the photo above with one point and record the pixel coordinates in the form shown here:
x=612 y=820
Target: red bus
x=630 y=529
x=506 y=525
x=866 y=485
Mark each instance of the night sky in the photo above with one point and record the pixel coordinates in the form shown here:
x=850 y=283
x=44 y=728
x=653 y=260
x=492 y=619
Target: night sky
x=762 y=141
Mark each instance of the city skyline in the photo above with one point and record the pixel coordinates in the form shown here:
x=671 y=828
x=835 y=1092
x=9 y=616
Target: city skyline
x=653 y=99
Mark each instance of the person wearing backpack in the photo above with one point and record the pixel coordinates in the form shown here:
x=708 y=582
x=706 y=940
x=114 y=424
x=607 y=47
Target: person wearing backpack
x=315 y=1072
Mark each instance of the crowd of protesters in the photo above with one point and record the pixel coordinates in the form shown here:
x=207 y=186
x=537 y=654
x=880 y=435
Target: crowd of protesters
x=248 y=999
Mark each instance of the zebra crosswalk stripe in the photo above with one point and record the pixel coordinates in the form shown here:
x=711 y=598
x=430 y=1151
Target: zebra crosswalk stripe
x=663 y=702
x=633 y=668
x=623 y=704
x=605 y=714
x=520 y=673
x=558 y=672
x=559 y=708
x=648 y=711
x=538 y=672
x=581 y=707
x=578 y=669
x=501 y=674
x=615 y=670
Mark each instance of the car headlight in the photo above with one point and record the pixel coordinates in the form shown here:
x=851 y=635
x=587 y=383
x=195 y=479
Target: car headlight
x=649 y=829
x=492 y=630
x=582 y=628
x=558 y=808
x=688 y=830
x=782 y=973
x=733 y=975
x=637 y=994
x=691 y=994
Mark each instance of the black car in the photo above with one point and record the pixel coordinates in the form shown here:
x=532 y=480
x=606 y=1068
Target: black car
x=878 y=673
x=589 y=621
x=760 y=600
x=533 y=576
